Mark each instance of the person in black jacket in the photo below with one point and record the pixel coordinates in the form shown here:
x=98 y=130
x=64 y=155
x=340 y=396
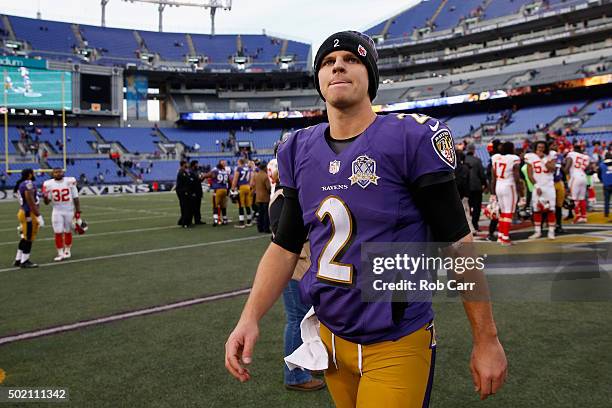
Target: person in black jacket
x=462 y=179
x=195 y=188
x=183 y=182
x=478 y=183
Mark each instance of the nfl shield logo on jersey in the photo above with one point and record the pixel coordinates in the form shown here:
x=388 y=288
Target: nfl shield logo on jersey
x=364 y=172
x=444 y=146
x=334 y=166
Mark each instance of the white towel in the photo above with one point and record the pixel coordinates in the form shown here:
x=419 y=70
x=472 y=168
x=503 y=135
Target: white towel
x=312 y=354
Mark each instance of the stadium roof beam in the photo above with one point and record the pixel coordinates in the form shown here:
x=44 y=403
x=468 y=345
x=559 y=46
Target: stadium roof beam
x=206 y=4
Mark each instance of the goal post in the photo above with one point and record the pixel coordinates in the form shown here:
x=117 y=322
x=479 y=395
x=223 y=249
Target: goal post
x=8 y=86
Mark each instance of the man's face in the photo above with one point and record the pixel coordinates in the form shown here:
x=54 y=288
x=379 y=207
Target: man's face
x=58 y=174
x=343 y=79
x=540 y=148
x=223 y=163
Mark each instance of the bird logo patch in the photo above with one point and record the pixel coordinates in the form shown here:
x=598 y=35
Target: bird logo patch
x=334 y=166
x=364 y=172
x=443 y=144
x=362 y=51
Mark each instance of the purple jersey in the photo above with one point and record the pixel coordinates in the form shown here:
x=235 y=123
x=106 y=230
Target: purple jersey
x=364 y=192
x=220 y=179
x=244 y=175
x=27 y=185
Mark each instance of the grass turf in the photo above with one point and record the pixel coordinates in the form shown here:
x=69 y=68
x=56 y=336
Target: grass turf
x=557 y=351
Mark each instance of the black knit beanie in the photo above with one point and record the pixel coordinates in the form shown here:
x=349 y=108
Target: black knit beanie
x=359 y=44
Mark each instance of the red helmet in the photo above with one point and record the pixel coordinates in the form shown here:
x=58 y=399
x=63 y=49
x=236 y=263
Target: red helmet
x=79 y=224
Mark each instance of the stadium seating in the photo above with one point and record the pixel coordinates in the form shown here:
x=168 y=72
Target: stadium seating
x=262 y=139
x=13 y=137
x=415 y=17
x=260 y=48
x=454 y=11
x=529 y=118
x=89 y=167
x=133 y=139
x=13 y=177
x=77 y=139
x=111 y=41
x=483 y=154
x=219 y=48
x=500 y=8
x=161 y=170
x=299 y=50
x=460 y=125
x=56 y=40
x=596 y=105
x=599 y=117
x=207 y=139
x=45 y=35
x=170 y=46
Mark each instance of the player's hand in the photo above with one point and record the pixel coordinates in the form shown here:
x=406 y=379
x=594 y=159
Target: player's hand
x=239 y=349
x=489 y=367
x=539 y=191
x=41 y=221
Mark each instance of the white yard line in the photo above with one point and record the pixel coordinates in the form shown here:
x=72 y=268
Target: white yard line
x=148 y=251
x=78 y=237
x=119 y=316
x=129 y=210
x=106 y=221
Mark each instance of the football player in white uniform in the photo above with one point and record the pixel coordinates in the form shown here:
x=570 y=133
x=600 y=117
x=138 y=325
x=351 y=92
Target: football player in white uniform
x=576 y=164
x=62 y=192
x=507 y=186
x=540 y=169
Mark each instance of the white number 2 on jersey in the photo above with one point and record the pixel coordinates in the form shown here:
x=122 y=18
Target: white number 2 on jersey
x=342 y=229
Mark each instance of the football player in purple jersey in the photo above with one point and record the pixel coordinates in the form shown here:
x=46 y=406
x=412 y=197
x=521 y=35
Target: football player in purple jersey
x=29 y=217
x=365 y=178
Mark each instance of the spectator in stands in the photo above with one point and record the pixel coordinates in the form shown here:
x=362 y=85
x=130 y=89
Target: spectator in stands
x=478 y=184
x=83 y=180
x=262 y=187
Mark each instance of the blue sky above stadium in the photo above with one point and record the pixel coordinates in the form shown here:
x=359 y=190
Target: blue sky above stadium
x=309 y=21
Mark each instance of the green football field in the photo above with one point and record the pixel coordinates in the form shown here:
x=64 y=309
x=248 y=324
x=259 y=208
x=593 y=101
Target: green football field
x=134 y=257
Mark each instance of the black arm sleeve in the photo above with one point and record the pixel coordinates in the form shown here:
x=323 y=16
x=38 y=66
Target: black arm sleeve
x=286 y=220
x=442 y=209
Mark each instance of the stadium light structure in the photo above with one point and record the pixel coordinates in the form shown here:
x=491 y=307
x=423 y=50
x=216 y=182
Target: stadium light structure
x=213 y=5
